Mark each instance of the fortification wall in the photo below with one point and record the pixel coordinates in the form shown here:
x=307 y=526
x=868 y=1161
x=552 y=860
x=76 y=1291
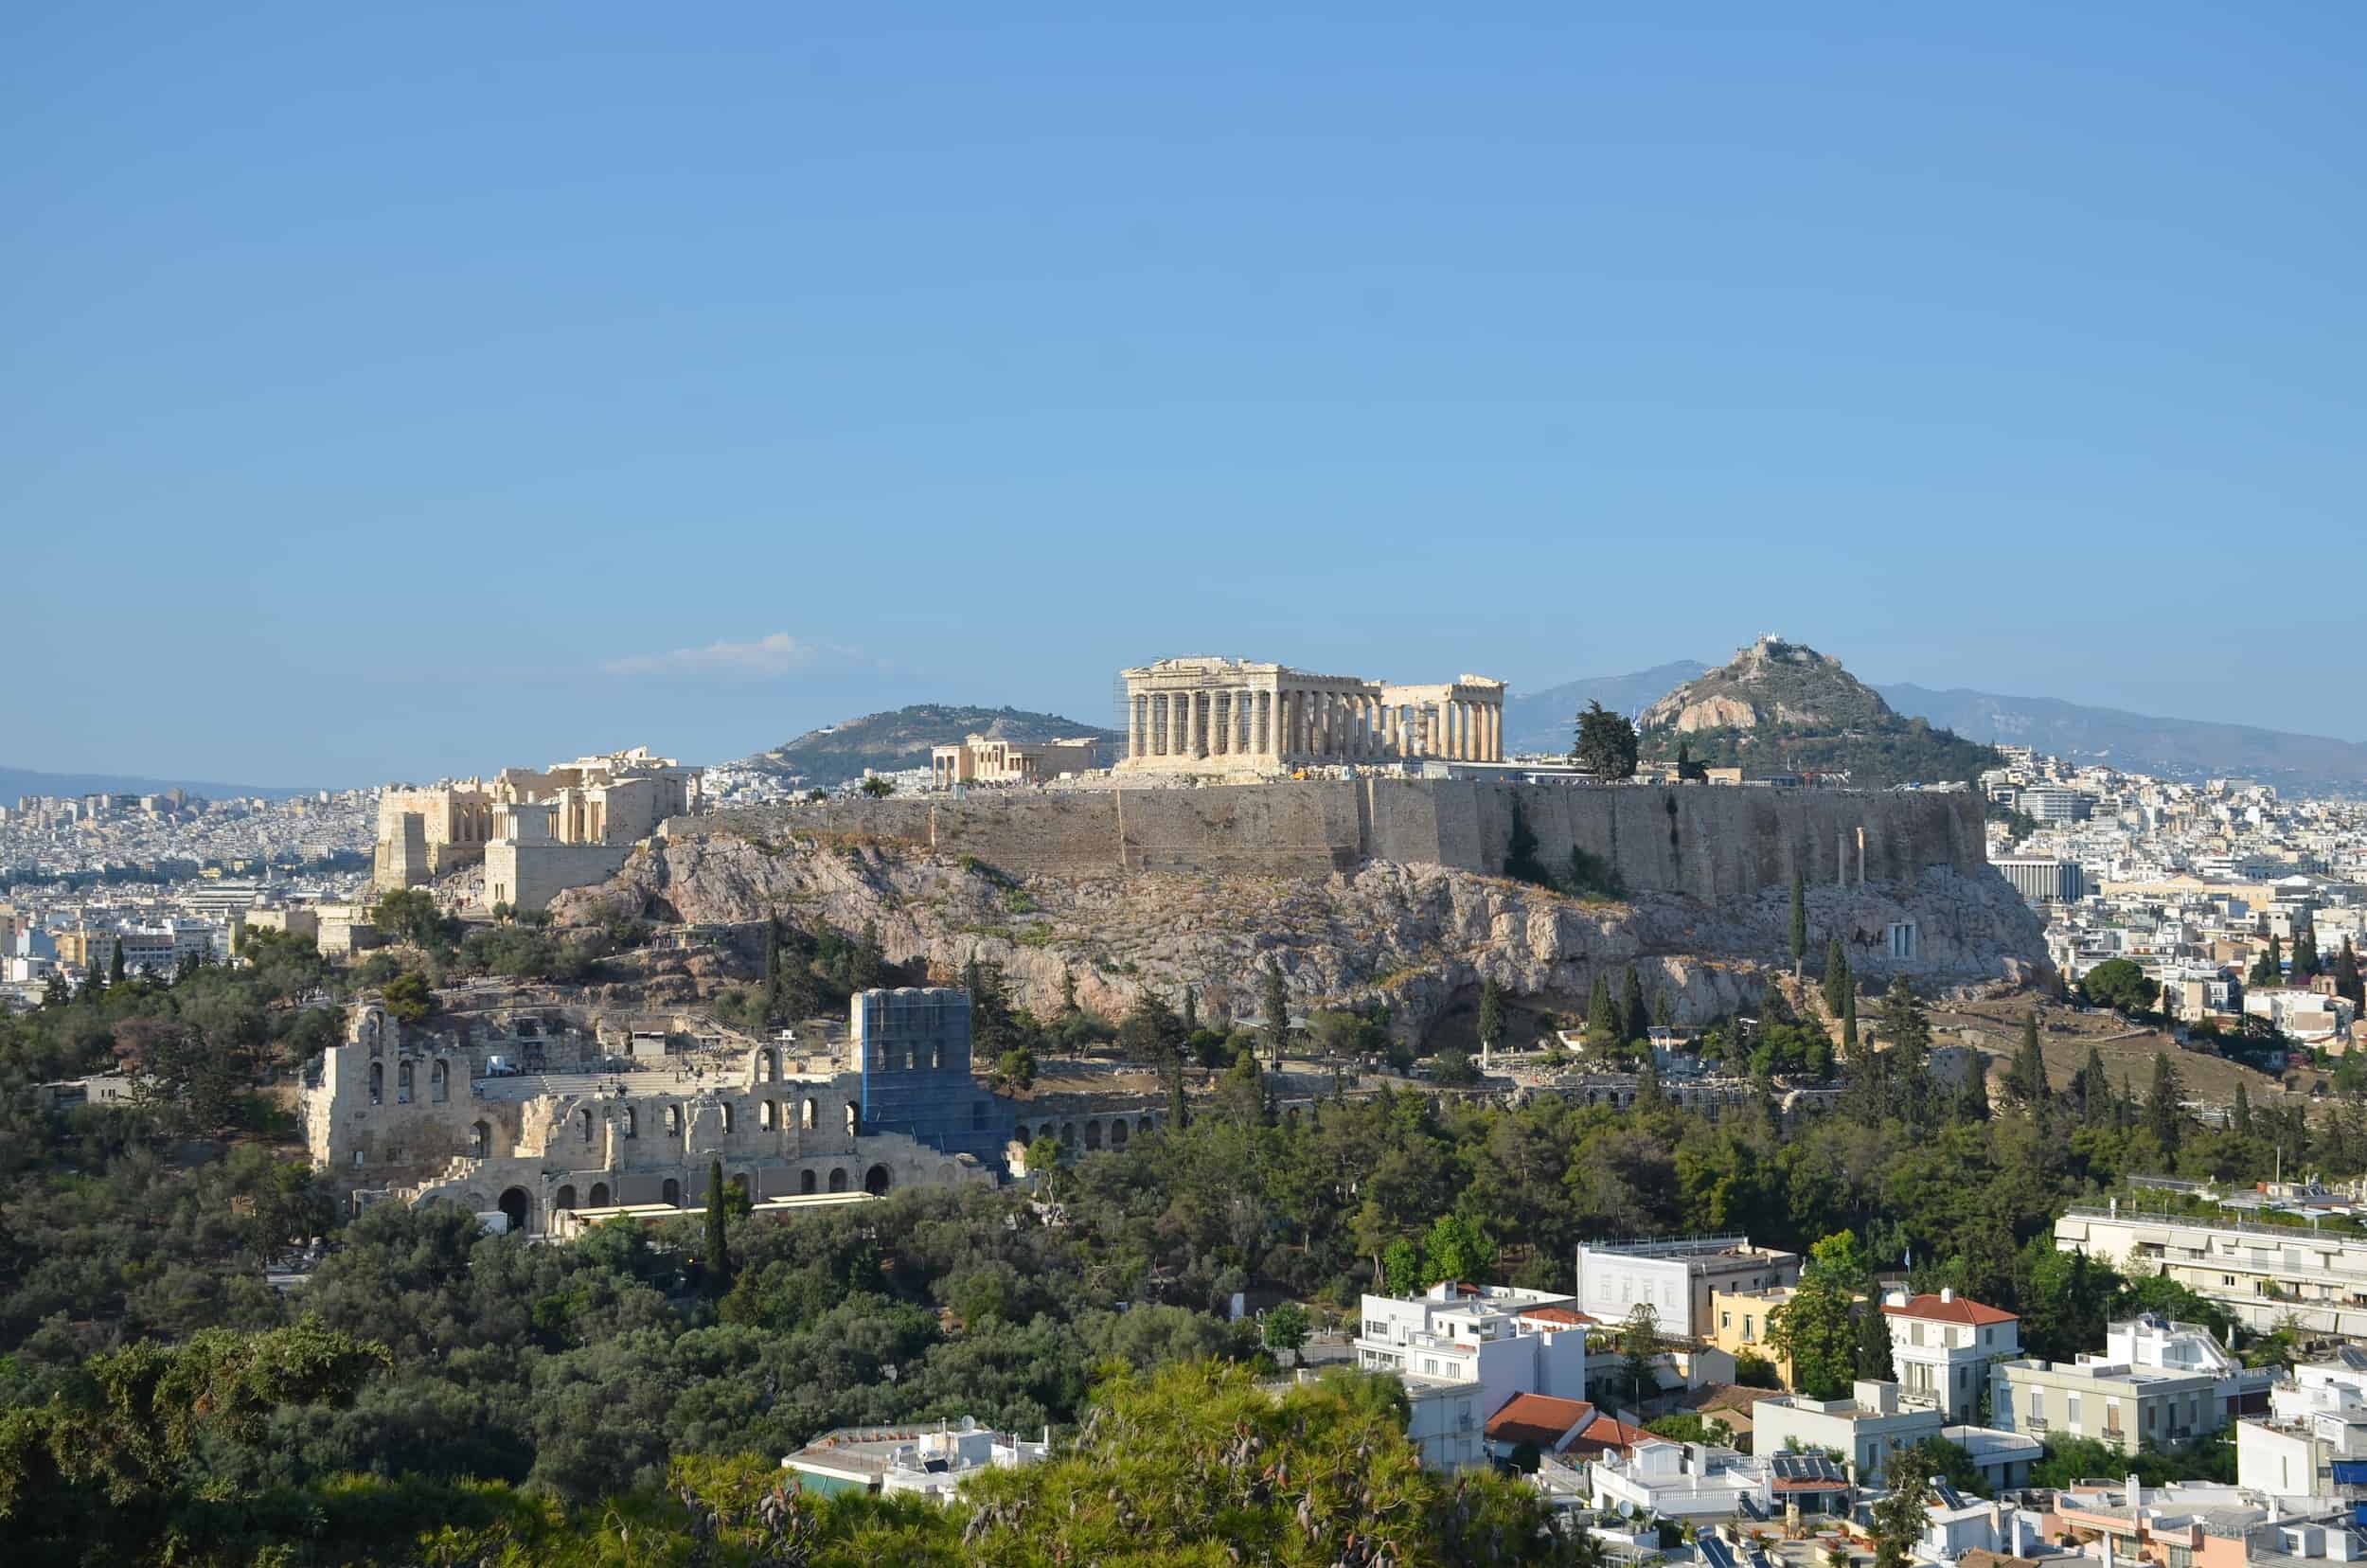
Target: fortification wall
x=1707 y=842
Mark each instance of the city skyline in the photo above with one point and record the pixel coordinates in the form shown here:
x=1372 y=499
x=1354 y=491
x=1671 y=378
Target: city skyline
x=503 y=387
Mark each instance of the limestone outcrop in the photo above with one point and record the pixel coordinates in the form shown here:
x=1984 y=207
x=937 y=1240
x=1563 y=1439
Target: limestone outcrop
x=1421 y=936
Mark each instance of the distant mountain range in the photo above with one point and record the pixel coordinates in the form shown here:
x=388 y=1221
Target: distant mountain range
x=891 y=741
x=2166 y=748
x=18 y=782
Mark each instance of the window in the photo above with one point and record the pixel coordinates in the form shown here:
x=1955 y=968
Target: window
x=1749 y=1328
x=583 y=1125
x=813 y=1108
x=1725 y=1320
x=1914 y=1333
x=2071 y=1411
x=727 y=1115
x=2112 y=1418
x=764 y=1115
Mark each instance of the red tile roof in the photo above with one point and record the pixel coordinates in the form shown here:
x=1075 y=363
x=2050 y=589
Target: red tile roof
x=1608 y=1432
x=1538 y=1418
x=1958 y=1310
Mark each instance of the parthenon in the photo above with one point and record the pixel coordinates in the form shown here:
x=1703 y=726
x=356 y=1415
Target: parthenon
x=1230 y=716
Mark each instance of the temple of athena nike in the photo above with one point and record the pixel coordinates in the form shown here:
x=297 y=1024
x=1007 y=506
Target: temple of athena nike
x=1230 y=716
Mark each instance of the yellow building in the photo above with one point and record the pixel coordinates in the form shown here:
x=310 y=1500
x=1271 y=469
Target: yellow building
x=1738 y=1325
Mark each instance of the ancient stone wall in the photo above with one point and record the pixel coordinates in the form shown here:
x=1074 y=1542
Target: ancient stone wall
x=1710 y=842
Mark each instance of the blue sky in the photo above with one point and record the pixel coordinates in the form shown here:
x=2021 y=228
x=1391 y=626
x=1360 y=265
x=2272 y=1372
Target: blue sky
x=399 y=390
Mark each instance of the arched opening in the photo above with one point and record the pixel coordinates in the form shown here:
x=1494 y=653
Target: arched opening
x=378 y=1082
x=1092 y=1134
x=772 y=1066
x=673 y=1121
x=1117 y=1133
x=838 y=1181
x=440 y=1082
x=812 y=1113
x=670 y=1192
x=480 y=1140
x=806 y=1181
x=583 y=1125
x=600 y=1195
x=874 y=1181
x=764 y=1115
x=936 y=1057
x=517 y=1207
x=566 y=1199
x=403 y=1084
x=727 y=1115
x=632 y=1122
x=854 y=1121
x=1068 y=1134
x=1143 y=1126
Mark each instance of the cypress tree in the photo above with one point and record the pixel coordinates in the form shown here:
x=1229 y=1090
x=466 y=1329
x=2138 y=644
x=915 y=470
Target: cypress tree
x=2028 y=1079
x=2163 y=1116
x=1634 y=1021
x=1191 y=1012
x=1874 y=1341
x=2241 y=1120
x=1849 y=1023
x=1799 y=924
x=1275 y=1031
x=114 y=964
x=2268 y=969
x=1837 y=980
x=1662 y=1015
x=1602 y=1019
x=2346 y=976
x=2305 y=954
x=1491 y=1014
x=1972 y=1096
x=2095 y=1091
x=719 y=1253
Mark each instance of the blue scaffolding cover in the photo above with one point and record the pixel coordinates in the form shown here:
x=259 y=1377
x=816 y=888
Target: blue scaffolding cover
x=2350 y=1472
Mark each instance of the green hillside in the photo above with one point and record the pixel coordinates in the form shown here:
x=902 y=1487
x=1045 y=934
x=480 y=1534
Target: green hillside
x=887 y=742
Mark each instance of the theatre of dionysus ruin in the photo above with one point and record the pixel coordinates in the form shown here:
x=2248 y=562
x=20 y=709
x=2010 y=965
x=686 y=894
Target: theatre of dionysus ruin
x=1211 y=715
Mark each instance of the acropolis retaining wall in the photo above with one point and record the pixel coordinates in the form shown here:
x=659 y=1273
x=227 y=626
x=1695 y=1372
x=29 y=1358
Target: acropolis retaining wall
x=1706 y=840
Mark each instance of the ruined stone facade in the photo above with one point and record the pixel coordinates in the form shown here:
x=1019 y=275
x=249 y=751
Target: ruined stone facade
x=985 y=760
x=537 y=832
x=1234 y=717
x=521 y=1117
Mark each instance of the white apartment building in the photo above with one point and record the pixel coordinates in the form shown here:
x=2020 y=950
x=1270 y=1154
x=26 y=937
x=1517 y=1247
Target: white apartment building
x=1943 y=1344
x=2315 y=1422
x=1685 y=1482
x=1864 y=1430
x=1462 y=1350
x=2158 y=1383
x=2259 y=1273
x=931 y=1462
x=1678 y=1275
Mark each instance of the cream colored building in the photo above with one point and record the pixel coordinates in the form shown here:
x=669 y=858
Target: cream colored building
x=985 y=759
x=1738 y=1325
x=537 y=831
x=1233 y=716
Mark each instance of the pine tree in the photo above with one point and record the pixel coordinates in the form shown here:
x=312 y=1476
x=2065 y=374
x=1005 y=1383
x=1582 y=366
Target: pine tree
x=1837 y=980
x=2268 y=969
x=1634 y=1021
x=2095 y=1091
x=1191 y=1012
x=114 y=964
x=719 y=1254
x=2241 y=1119
x=1799 y=924
x=1972 y=1096
x=1661 y=1014
x=2346 y=976
x=1068 y=992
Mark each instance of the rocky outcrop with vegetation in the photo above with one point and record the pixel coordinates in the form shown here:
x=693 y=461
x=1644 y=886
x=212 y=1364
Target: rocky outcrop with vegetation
x=1420 y=938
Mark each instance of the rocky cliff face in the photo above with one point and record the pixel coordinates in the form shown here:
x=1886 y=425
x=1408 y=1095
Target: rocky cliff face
x=1771 y=682
x=1420 y=936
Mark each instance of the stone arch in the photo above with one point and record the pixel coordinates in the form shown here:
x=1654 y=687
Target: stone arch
x=1093 y=1135
x=854 y=1119
x=403 y=1080
x=673 y=1120
x=378 y=1082
x=481 y=1140
x=810 y=1114
x=632 y=1122
x=767 y=1065
x=439 y=1081
x=1145 y=1125
x=765 y=1116
x=566 y=1199
x=1068 y=1134
x=583 y=1124
x=600 y=1195
x=373 y=1030
x=518 y=1205
x=876 y=1180
x=806 y=1184
x=838 y=1181
x=1117 y=1132
x=727 y=1115
x=670 y=1192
